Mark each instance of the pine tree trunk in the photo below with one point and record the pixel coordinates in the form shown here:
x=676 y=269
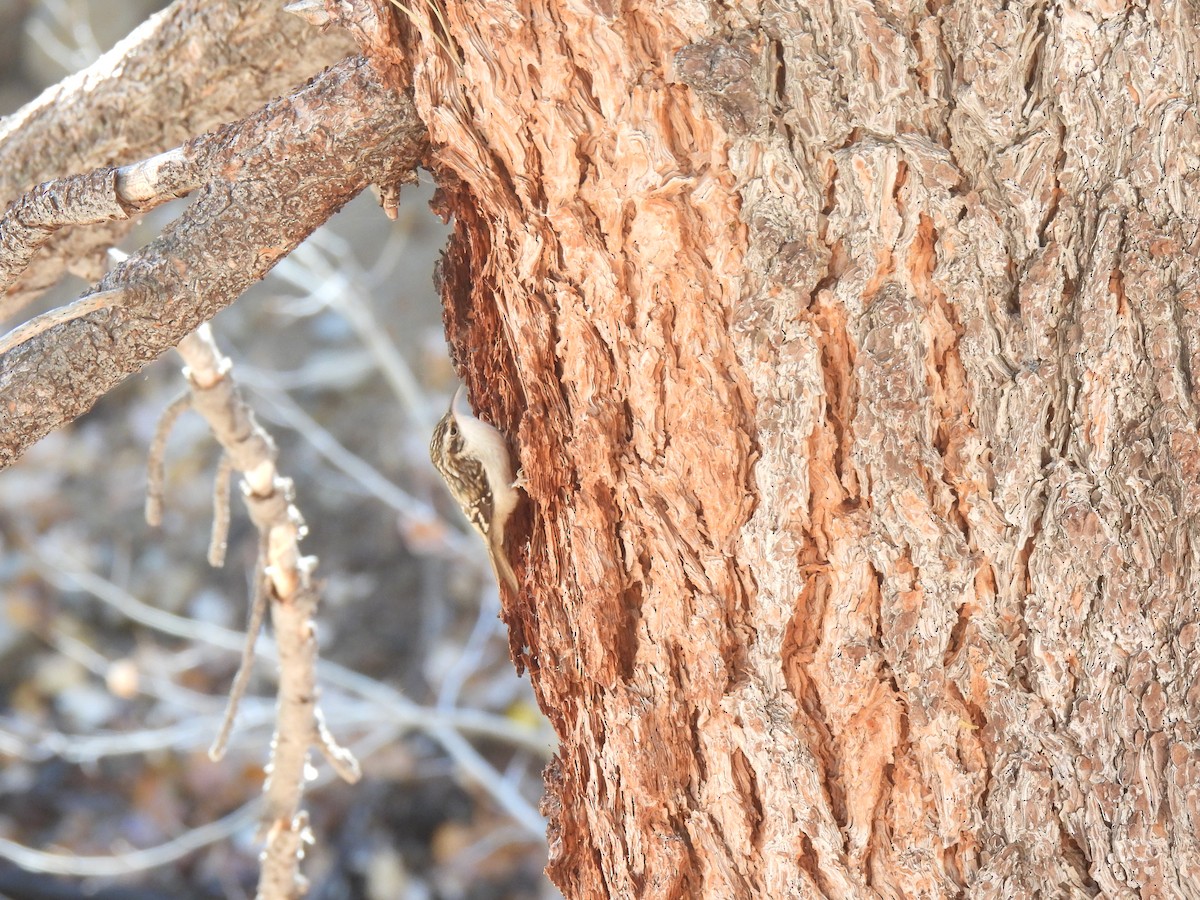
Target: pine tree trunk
x=848 y=353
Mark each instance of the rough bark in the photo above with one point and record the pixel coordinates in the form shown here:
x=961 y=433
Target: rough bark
x=192 y=67
x=847 y=351
x=848 y=354
x=274 y=179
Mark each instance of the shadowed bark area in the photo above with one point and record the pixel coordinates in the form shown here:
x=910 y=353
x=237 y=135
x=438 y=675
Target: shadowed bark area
x=848 y=354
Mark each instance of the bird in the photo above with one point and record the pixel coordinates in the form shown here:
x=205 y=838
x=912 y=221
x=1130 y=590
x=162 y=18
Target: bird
x=473 y=459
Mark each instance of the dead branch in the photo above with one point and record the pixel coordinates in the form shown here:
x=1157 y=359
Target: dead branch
x=155 y=478
x=340 y=759
x=274 y=177
x=241 y=681
x=220 y=527
x=105 y=195
x=287 y=577
x=223 y=61
x=86 y=304
x=116 y=865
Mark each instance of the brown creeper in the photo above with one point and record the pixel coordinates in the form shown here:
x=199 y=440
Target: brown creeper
x=473 y=458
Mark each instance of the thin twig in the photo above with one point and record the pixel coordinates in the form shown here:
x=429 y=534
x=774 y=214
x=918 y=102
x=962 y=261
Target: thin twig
x=117 y=864
x=155 y=477
x=47 y=320
x=340 y=759
x=219 y=541
x=340 y=284
x=241 y=681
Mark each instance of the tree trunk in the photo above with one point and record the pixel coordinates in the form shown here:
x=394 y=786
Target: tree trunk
x=848 y=354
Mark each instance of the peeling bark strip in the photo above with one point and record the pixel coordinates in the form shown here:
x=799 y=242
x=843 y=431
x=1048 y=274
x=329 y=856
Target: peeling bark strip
x=276 y=177
x=849 y=355
x=195 y=66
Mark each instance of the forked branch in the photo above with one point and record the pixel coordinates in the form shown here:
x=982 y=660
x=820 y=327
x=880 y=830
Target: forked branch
x=266 y=183
x=71 y=127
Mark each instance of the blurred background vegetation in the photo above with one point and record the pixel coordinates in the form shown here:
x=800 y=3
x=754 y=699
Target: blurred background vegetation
x=118 y=641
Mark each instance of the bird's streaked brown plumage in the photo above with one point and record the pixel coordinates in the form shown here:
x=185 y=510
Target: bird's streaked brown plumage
x=472 y=458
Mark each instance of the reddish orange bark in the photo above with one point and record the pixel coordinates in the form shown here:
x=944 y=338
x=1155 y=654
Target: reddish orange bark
x=847 y=355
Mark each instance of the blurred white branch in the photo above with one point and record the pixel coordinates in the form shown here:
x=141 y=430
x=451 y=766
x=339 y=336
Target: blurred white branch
x=79 y=49
x=444 y=726
x=327 y=262
x=116 y=864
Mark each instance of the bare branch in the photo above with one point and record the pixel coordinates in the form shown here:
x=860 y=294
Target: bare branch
x=283 y=577
x=32 y=220
x=219 y=540
x=223 y=60
x=155 y=478
x=291 y=166
x=241 y=681
x=113 y=865
x=86 y=304
x=104 y=195
x=328 y=263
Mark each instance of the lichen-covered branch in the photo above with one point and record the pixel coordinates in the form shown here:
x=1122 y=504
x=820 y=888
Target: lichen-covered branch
x=272 y=179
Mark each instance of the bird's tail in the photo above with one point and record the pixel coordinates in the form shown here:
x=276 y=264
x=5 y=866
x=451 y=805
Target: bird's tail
x=502 y=567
